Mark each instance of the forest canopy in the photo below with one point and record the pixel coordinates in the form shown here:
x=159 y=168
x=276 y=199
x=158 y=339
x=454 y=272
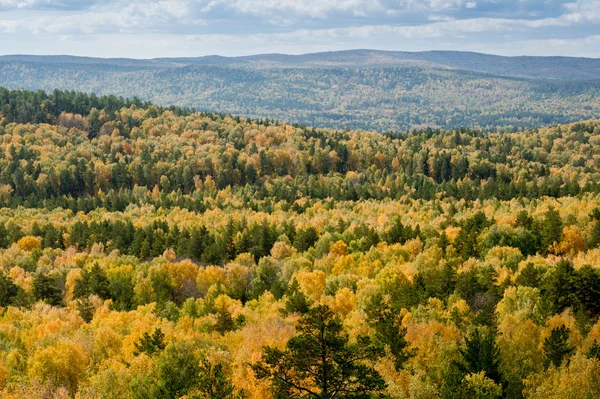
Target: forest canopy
x=150 y=252
x=398 y=96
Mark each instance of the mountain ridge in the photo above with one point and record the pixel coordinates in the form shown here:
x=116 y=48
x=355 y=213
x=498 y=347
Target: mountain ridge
x=361 y=89
x=537 y=67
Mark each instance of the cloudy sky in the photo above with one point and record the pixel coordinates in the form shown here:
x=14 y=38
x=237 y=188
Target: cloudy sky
x=147 y=28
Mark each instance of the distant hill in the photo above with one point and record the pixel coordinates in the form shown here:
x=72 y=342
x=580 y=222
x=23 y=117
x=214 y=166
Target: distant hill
x=568 y=68
x=367 y=89
x=533 y=67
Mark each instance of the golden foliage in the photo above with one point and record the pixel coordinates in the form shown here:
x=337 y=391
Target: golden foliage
x=29 y=243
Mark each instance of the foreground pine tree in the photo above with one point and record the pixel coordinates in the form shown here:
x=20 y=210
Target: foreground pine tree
x=319 y=362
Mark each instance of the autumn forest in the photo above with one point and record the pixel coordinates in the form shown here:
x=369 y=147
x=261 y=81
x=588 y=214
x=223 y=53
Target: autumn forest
x=160 y=252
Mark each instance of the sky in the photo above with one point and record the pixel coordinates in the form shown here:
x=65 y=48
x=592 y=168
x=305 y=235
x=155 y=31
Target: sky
x=173 y=28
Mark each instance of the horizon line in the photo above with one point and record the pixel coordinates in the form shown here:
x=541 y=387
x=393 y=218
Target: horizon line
x=298 y=55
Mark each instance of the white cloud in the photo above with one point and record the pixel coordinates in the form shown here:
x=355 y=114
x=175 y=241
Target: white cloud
x=251 y=26
x=45 y=4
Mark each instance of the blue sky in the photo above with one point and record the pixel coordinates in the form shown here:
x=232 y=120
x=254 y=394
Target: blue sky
x=146 y=29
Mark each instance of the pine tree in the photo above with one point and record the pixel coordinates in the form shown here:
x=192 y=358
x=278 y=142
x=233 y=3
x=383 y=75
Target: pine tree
x=480 y=353
x=551 y=229
x=524 y=220
x=397 y=233
x=296 y=301
x=529 y=276
x=560 y=287
x=556 y=347
x=305 y=239
x=224 y=322
x=86 y=309
x=213 y=383
x=389 y=330
x=8 y=290
x=594 y=240
x=92 y=282
x=587 y=286
x=45 y=289
x=443 y=241
x=319 y=363
x=150 y=343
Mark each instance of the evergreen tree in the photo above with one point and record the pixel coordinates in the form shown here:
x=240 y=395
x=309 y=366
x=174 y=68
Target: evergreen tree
x=530 y=276
x=199 y=240
x=86 y=309
x=224 y=321
x=46 y=289
x=304 y=239
x=594 y=240
x=524 y=220
x=466 y=241
x=8 y=290
x=178 y=369
x=150 y=343
x=213 y=383
x=92 y=282
x=587 y=286
x=397 y=233
x=556 y=347
x=480 y=353
x=389 y=330
x=551 y=228
x=319 y=363
x=560 y=287
x=296 y=301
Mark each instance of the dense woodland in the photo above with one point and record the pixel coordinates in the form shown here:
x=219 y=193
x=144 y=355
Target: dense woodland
x=162 y=253
x=372 y=97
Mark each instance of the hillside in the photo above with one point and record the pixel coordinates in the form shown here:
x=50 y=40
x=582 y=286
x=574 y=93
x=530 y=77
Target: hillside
x=148 y=252
x=568 y=68
x=362 y=89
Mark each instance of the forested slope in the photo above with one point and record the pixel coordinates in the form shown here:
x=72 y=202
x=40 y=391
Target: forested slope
x=161 y=253
x=356 y=90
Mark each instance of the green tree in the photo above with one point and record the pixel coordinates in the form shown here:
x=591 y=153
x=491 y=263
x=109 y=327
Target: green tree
x=389 y=330
x=177 y=369
x=266 y=277
x=296 y=301
x=466 y=241
x=190 y=308
x=594 y=239
x=560 y=287
x=556 y=347
x=530 y=276
x=120 y=289
x=319 y=363
x=524 y=220
x=397 y=232
x=45 y=288
x=304 y=239
x=8 y=290
x=588 y=290
x=213 y=383
x=86 y=309
x=92 y=282
x=551 y=229
x=224 y=321
x=171 y=312
x=150 y=343
x=480 y=353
